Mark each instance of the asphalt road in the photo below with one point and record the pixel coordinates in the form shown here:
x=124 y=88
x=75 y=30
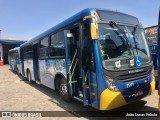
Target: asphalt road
x=17 y=95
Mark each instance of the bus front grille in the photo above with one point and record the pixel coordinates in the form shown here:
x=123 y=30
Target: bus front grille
x=134 y=76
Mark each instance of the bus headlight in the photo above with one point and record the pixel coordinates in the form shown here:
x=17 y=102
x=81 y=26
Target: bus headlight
x=111 y=84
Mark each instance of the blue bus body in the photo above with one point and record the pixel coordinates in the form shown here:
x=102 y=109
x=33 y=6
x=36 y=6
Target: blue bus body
x=62 y=52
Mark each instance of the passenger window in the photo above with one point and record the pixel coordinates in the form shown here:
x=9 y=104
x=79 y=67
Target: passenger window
x=44 y=42
x=60 y=38
x=53 y=39
x=44 y=53
x=28 y=55
x=57 y=45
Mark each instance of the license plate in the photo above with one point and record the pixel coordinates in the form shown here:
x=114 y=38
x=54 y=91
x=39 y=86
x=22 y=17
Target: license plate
x=138 y=93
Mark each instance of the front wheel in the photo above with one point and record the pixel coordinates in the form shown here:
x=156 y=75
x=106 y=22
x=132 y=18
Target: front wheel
x=63 y=90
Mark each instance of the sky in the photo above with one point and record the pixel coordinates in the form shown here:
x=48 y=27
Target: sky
x=25 y=19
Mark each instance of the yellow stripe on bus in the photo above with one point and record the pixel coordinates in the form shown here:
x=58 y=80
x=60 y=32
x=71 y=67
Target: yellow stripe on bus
x=152 y=85
x=110 y=100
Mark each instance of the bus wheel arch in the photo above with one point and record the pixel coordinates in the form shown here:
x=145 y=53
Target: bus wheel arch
x=60 y=80
x=18 y=70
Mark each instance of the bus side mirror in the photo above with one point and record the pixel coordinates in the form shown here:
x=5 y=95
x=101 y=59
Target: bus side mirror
x=94 y=31
x=93 y=27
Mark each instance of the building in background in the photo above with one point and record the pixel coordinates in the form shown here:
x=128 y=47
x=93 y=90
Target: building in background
x=151 y=34
x=5 y=46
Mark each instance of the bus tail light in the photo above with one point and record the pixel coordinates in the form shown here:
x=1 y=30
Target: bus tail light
x=111 y=84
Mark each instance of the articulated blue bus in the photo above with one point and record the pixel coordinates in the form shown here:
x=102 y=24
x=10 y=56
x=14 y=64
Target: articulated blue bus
x=99 y=57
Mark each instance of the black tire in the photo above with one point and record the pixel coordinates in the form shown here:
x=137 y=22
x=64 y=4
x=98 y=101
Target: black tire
x=29 y=77
x=17 y=70
x=63 y=91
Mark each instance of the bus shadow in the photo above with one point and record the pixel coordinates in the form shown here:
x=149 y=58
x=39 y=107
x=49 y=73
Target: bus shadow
x=76 y=108
x=17 y=74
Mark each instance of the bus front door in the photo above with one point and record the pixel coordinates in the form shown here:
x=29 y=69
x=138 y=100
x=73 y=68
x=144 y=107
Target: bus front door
x=72 y=61
x=89 y=76
x=81 y=75
x=73 y=45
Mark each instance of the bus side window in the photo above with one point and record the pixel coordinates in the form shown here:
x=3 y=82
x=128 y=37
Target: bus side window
x=27 y=53
x=44 y=43
x=53 y=42
x=60 y=50
x=57 y=45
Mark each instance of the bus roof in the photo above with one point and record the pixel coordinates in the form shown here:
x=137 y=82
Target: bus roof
x=5 y=41
x=16 y=48
x=80 y=15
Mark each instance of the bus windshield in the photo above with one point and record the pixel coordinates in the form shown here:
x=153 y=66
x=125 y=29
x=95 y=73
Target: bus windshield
x=120 y=44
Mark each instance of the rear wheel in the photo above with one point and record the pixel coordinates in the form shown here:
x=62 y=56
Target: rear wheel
x=17 y=70
x=29 y=77
x=63 y=90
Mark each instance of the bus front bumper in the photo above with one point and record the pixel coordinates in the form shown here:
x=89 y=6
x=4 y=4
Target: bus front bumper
x=110 y=100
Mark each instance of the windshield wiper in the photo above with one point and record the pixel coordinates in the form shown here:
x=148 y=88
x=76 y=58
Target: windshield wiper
x=115 y=24
x=112 y=23
x=134 y=33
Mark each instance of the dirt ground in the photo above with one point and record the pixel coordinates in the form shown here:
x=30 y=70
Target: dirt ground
x=17 y=95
